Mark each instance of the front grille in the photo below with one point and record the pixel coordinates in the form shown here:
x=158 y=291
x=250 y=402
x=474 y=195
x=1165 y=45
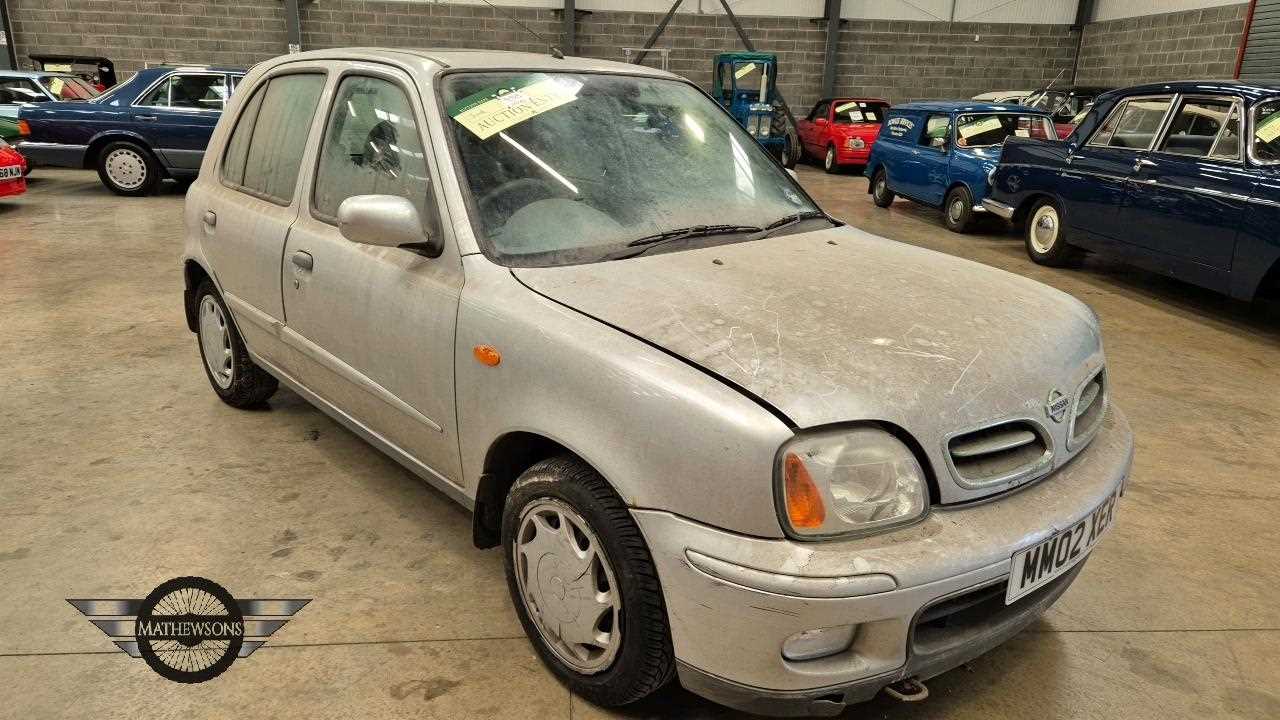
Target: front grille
x=1090 y=406
x=999 y=453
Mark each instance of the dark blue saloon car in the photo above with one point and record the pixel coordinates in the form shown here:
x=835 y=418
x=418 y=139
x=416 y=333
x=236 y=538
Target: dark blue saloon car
x=154 y=125
x=1182 y=178
x=940 y=153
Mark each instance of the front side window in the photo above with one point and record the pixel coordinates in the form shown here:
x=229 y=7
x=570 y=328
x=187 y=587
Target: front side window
x=68 y=88
x=196 y=92
x=567 y=168
x=1266 y=131
x=266 y=146
x=1134 y=124
x=853 y=112
x=988 y=129
x=372 y=147
x=820 y=110
x=1197 y=126
x=937 y=131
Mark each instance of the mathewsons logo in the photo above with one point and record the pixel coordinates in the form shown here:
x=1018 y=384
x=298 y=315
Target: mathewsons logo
x=189 y=629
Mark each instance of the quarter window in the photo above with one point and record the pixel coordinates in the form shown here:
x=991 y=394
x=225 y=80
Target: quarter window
x=196 y=92
x=372 y=146
x=1133 y=125
x=1197 y=125
x=266 y=146
x=1266 y=131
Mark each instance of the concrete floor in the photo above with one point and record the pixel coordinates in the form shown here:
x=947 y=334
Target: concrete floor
x=119 y=469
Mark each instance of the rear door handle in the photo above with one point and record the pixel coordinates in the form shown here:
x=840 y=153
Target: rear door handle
x=210 y=218
x=303 y=260
x=144 y=117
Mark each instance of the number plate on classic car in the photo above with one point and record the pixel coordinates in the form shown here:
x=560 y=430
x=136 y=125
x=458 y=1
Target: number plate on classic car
x=1037 y=565
x=10 y=172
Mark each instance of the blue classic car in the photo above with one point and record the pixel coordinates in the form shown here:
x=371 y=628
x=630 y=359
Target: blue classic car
x=152 y=126
x=939 y=153
x=1181 y=178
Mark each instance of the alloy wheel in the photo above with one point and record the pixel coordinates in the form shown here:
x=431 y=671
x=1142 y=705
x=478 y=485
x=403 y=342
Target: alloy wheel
x=126 y=168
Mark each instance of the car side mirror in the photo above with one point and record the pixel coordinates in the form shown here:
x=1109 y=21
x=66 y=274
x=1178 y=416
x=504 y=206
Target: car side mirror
x=385 y=221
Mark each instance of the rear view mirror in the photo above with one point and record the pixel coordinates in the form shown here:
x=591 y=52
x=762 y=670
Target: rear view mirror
x=385 y=221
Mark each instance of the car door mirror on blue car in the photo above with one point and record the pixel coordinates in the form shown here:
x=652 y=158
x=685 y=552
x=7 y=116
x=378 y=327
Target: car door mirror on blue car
x=385 y=221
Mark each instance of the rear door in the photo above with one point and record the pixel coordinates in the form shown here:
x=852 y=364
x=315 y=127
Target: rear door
x=376 y=324
x=1095 y=183
x=251 y=203
x=1187 y=196
x=177 y=115
x=923 y=166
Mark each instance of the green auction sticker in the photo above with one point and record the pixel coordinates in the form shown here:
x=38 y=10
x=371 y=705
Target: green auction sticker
x=491 y=111
x=1269 y=129
x=977 y=127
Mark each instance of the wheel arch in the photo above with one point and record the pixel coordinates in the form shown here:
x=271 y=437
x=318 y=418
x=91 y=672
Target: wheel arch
x=107 y=137
x=1029 y=201
x=1268 y=287
x=193 y=273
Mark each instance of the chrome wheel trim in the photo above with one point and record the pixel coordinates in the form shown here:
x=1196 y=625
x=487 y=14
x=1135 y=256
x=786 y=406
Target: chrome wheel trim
x=567 y=586
x=955 y=211
x=126 y=168
x=215 y=342
x=881 y=186
x=830 y=161
x=1044 y=229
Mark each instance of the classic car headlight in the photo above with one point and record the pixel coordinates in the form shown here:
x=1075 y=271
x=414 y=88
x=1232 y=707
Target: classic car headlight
x=848 y=481
x=855 y=143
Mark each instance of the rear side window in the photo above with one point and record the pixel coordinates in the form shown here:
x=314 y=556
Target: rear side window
x=1266 y=131
x=372 y=146
x=277 y=120
x=937 y=130
x=1198 y=124
x=195 y=92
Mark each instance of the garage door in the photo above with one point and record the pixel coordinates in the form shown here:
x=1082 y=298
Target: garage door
x=1262 y=51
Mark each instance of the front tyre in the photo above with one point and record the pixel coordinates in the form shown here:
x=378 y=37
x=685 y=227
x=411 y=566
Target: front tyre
x=1046 y=236
x=958 y=209
x=128 y=169
x=234 y=377
x=584 y=585
x=829 y=162
x=881 y=195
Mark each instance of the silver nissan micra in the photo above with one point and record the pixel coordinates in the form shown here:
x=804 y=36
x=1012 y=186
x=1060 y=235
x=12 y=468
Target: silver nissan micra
x=717 y=433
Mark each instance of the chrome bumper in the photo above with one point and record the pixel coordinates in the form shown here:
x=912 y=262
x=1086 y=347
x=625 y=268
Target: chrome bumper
x=996 y=207
x=733 y=600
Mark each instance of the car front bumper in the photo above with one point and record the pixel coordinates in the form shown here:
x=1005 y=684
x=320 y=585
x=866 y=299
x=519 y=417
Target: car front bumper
x=732 y=601
x=846 y=156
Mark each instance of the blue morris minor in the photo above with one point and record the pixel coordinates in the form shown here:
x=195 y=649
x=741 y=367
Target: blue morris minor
x=939 y=153
x=155 y=125
x=1180 y=178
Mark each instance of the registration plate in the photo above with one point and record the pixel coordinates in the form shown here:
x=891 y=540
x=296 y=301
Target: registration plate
x=1041 y=563
x=8 y=172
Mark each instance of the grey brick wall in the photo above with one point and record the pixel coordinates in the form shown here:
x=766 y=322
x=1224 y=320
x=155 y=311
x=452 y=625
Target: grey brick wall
x=910 y=60
x=340 y=23
x=1194 y=44
x=136 y=33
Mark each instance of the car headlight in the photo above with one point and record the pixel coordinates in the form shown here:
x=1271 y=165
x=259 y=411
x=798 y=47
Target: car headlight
x=848 y=481
x=855 y=143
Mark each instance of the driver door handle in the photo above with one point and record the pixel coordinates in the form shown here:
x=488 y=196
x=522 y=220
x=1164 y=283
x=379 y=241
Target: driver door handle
x=210 y=218
x=1141 y=163
x=303 y=260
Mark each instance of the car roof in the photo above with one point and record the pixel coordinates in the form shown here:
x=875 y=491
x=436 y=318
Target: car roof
x=1251 y=89
x=469 y=59
x=853 y=98
x=157 y=69
x=948 y=106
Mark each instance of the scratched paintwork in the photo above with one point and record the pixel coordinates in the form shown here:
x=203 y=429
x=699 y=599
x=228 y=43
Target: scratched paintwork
x=862 y=329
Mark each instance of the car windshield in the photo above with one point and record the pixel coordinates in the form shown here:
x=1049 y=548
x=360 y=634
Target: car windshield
x=65 y=87
x=566 y=168
x=851 y=112
x=1266 y=131
x=987 y=129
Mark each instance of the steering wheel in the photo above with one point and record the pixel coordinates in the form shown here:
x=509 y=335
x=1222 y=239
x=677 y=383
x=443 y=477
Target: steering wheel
x=526 y=188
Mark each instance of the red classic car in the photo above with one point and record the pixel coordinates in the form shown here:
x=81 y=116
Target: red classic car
x=841 y=131
x=13 y=170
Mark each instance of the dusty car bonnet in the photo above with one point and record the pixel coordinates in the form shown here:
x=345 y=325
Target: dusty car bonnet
x=841 y=325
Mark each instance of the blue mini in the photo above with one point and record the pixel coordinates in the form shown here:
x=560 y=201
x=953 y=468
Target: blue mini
x=152 y=126
x=940 y=153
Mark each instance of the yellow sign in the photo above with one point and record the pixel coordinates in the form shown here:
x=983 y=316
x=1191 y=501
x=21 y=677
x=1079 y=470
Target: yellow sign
x=55 y=86
x=846 y=106
x=744 y=71
x=1269 y=129
x=490 y=115
x=978 y=127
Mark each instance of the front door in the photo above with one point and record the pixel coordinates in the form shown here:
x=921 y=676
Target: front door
x=246 y=209
x=177 y=116
x=1095 y=183
x=924 y=166
x=375 y=325
x=1186 y=198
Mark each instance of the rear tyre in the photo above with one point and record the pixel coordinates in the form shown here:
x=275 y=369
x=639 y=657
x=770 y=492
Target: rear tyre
x=829 y=162
x=957 y=210
x=584 y=585
x=234 y=377
x=881 y=195
x=1045 y=236
x=128 y=169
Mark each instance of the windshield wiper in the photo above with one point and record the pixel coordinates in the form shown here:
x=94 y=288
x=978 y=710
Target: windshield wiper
x=648 y=242
x=789 y=220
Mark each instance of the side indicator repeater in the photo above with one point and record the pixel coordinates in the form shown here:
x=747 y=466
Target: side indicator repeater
x=487 y=355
